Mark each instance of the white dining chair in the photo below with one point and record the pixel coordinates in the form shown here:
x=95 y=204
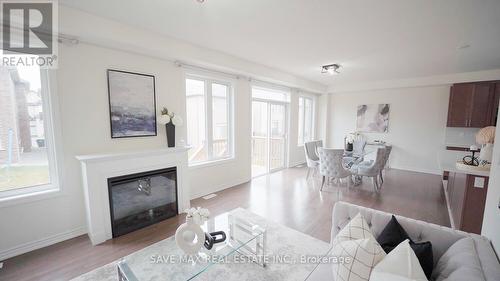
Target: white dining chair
x=358 y=147
x=371 y=168
x=388 y=150
x=330 y=166
x=312 y=158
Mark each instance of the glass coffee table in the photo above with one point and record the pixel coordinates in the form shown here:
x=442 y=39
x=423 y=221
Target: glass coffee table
x=244 y=240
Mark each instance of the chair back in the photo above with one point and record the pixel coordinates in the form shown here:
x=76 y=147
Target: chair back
x=379 y=163
x=330 y=163
x=388 y=150
x=358 y=146
x=310 y=149
x=373 y=168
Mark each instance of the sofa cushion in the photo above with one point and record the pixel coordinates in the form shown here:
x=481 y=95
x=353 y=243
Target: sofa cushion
x=442 y=238
x=487 y=257
x=401 y=264
x=393 y=234
x=419 y=231
x=459 y=263
x=357 y=228
x=359 y=248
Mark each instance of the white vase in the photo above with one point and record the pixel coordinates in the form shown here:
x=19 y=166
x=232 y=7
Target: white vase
x=189 y=237
x=486 y=153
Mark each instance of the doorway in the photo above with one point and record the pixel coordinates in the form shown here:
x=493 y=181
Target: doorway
x=269 y=136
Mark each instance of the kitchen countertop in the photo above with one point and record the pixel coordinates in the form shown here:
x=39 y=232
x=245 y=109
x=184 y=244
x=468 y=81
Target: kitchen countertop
x=458 y=145
x=447 y=162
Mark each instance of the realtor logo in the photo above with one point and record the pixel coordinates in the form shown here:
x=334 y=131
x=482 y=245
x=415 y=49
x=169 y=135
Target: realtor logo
x=29 y=33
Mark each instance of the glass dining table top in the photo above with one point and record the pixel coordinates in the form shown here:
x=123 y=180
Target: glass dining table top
x=351 y=158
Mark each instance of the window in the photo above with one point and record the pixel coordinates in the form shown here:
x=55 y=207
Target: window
x=209 y=123
x=27 y=156
x=268 y=94
x=306 y=120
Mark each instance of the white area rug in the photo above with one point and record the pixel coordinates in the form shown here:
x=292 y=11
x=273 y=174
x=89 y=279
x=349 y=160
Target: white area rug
x=281 y=241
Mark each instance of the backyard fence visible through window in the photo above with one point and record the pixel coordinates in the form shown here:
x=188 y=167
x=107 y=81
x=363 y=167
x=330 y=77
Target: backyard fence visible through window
x=209 y=122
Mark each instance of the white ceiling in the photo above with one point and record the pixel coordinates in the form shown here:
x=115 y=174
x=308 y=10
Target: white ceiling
x=373 y=40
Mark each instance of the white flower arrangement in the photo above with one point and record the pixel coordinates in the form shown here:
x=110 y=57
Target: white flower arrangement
x=167 y=117
x=351 y=137
x=198 y=215
x=177 y=120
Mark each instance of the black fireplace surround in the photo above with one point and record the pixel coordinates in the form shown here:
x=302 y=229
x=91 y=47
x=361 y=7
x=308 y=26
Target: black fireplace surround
x=142 y=199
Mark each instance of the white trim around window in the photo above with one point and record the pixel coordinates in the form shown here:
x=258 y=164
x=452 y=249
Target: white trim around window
x=306 y=119
x=53 y=137
x=209 y=81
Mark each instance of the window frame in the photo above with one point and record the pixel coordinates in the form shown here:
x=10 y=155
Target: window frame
x=52 y=132
x=300 y=142
x=208 y=82
x=1 y=144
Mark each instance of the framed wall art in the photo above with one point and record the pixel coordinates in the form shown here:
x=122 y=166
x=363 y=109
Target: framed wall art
x=132 y=104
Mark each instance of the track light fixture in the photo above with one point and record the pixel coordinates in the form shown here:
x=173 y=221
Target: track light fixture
x=331 y=69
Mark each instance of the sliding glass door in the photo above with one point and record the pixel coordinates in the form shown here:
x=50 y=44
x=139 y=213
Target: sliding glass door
x=269 y=136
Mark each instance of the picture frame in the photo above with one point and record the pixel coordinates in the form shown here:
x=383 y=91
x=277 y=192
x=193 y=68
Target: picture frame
x=132 y=104
x=373 y=118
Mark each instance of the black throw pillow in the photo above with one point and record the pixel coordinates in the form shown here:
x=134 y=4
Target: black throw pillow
x=393 y=234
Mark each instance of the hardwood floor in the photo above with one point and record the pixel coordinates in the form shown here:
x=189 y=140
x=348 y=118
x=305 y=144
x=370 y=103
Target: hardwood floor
x=284 y=197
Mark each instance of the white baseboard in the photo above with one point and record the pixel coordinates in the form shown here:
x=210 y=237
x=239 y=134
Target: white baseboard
x=44 y=242
x=418 y=170
x=219 y=188
x=295 y=164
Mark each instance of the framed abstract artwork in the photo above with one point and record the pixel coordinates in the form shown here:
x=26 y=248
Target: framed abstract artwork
x=373 y=118
x=132 y=104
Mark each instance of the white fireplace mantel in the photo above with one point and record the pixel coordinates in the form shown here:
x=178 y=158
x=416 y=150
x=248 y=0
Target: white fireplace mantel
x=98 y=168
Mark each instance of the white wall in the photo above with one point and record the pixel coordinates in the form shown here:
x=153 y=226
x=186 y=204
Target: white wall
x=209 y=179
x=416 y=125
x=296 y=154
x=322 y=129
x=83 y=102
x=491 y=219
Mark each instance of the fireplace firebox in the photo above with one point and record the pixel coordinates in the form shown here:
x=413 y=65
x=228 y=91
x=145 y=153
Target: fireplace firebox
x=142 y=199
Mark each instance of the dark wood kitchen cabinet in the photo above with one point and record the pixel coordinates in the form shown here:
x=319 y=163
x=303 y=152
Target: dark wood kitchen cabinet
x=459 y=105
x=494 y=113
x=466 y=201
x=473 y=104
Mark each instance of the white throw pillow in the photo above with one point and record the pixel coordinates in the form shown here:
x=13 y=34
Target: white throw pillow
x=357 y=228
x=356 y=244
x=401 y=264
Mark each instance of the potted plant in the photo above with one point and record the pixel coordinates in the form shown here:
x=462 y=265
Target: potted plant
x=486 y=138
x=170 y=119
x=349 y=140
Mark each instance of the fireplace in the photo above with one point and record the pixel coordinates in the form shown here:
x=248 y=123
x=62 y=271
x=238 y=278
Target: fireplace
x=141 y=199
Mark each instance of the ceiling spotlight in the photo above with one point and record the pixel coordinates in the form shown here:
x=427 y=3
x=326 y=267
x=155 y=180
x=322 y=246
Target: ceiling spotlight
x=200 y=1
x=331 y=69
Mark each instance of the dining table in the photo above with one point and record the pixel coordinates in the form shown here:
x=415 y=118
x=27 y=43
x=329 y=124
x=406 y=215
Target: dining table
x=352 y=158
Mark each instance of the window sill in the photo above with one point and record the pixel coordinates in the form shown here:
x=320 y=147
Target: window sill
x=210 y=163
x=27 y=197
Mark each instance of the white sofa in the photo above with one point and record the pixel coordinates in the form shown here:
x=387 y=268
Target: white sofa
x=440 y=237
